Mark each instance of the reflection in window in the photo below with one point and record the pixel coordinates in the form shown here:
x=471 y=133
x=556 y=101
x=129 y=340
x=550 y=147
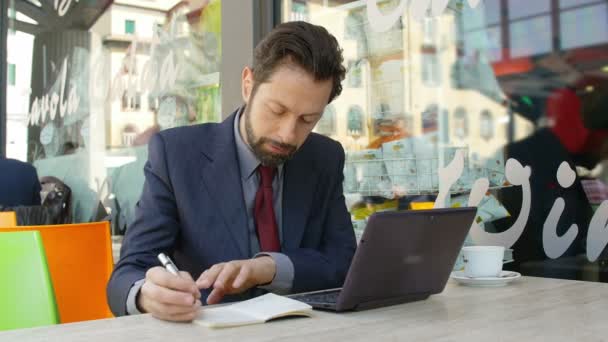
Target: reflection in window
x=495 y=31
x=430 y=119
x=355 y=120
x=131 y=102
x=492 y=11
x=523 y=43
x=158 y=28
x=494 y=44
x=573 y=3
x=594 y=31
x=431 y=69
x=152 y=103
x=129 y=132
x=525 y=8
x=299 y=11
x=99 y=77
x=486 y=125
x=354 y=74
x=130 y=26
x=12 y=15
x=461 y=123
x=429 y=29
x=327 y=124
x=353 y=25
x=12 y=74
x=485 y=41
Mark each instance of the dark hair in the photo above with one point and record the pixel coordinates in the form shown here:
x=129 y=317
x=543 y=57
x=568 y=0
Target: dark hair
x=309 y=46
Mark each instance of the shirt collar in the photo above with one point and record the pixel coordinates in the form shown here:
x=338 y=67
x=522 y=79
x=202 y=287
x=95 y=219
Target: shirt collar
x=248 y=162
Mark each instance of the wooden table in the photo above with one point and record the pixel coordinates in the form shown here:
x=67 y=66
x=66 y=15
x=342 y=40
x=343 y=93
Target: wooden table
x=531 y=309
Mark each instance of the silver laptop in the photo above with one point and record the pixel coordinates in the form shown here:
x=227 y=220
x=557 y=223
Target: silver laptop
x=402 y=257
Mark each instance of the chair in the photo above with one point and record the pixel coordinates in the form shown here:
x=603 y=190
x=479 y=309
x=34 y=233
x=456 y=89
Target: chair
x=26 y=291
x=80 y=262
x=8 y=219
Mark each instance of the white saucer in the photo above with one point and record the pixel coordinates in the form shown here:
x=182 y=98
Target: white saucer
x=504 y=278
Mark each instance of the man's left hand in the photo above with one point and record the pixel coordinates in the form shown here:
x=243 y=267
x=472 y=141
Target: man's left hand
x=236 y=276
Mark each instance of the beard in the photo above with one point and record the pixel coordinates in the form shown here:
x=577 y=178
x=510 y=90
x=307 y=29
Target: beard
x=256 y=143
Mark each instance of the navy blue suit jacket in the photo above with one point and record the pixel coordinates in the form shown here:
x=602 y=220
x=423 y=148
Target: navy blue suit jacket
x=192 y=207
x=19 y=184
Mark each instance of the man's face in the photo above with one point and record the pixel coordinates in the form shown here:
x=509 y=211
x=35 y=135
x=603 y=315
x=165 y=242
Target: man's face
x=282 y=112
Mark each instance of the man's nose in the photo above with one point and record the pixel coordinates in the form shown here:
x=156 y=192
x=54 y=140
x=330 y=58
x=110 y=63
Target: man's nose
x=287 y=132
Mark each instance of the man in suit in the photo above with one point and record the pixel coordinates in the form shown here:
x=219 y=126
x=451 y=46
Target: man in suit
x=249 y=205
x=19 y=184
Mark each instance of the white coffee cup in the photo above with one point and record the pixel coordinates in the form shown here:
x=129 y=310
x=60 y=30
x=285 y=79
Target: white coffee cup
x=483 y=261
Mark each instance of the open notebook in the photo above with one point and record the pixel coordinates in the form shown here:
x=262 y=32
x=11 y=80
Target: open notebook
x=253 y=311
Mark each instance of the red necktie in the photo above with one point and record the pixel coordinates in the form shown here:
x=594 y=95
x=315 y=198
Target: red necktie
x=265 y=221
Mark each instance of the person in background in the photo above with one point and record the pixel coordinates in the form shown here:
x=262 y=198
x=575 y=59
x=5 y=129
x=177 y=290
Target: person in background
x=565 y=139
x=19 y=185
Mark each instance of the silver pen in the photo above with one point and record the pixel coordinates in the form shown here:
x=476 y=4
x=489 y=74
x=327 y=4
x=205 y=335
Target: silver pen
x=168 y=264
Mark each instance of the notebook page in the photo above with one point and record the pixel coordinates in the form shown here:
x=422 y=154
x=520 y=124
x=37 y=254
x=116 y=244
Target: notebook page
x=271 y=306
x=224 y=316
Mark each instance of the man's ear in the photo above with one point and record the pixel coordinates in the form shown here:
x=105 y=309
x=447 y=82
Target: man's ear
x=247 y=84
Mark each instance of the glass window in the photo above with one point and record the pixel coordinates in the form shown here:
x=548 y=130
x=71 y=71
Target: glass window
x=327 y=123
x=489 y=82
x=131 y=101
x=299 y=11
x=92 y=88
x=353 y=75
x=431 y=69
x=430 y=119
x=152 y=103
x=355 y=120
x=525 y=44
x=12 y=15
x=130 y=26
x=486 y=125
x=492 y=11
x=575 y=3
x=12 y=74
x=584 y=26
x=461 y=123
x=525 y=8
x=488 y=41
x=353 y=25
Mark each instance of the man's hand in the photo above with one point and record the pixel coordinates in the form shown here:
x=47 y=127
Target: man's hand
x=236 y=277
x=169 y=297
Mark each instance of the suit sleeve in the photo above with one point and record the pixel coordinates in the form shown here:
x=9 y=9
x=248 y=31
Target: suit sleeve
x=154 y=229
x=326 y=267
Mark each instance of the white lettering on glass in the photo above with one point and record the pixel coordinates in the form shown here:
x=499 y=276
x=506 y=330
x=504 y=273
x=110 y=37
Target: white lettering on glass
x=447 y=177
x=47 y=105
x=62 y=6
x=478 y=191
x=516 y=174
x=554 y=245
x=380 y=22
x=418 y=8
x=597 y=236
x=151 y=78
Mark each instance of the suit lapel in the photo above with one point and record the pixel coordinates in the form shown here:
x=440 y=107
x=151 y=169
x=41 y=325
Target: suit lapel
x=298 y=190
x=221 y=176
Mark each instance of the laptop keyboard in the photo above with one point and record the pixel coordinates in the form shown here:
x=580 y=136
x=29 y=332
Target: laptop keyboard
x=321 y=297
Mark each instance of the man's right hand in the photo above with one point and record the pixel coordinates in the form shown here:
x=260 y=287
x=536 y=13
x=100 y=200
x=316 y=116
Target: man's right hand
x=169 y=297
